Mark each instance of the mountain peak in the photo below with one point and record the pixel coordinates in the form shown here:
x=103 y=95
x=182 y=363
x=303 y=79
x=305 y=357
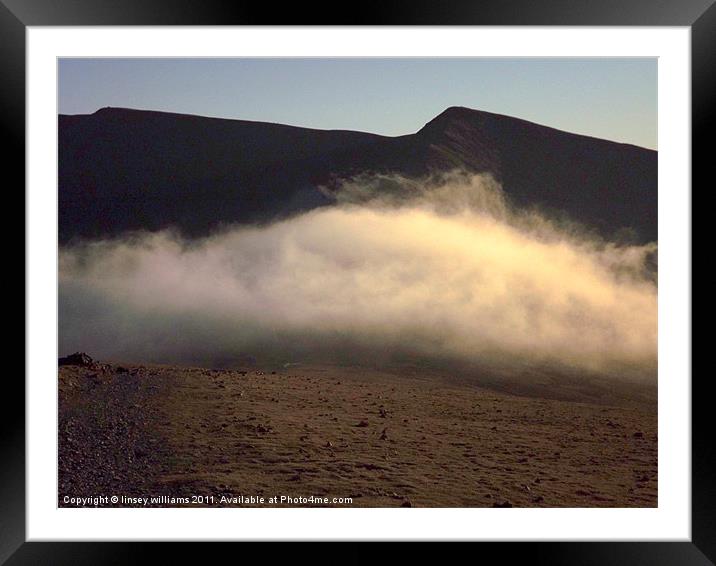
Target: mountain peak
x=451 y=114
x=113 y=110
x=456 y=111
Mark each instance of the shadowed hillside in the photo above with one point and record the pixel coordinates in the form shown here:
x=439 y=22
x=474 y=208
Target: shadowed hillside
x=123 y=169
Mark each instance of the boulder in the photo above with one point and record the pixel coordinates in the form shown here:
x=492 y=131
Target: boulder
x=77 y=359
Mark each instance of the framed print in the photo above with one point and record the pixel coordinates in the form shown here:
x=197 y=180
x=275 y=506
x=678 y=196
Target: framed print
x=424 y=275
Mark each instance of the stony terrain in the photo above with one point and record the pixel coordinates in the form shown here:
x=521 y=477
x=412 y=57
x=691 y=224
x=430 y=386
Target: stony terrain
x=381 y=438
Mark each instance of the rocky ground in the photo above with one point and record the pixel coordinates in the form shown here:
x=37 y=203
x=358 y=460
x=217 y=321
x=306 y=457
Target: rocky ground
x=381 y=438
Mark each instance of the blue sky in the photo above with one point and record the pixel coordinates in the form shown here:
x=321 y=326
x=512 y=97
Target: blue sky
x=612 y=98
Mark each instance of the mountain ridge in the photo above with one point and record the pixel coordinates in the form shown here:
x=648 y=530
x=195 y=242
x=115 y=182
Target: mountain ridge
x=450 y=111
x=457 y=111
x=125 y=169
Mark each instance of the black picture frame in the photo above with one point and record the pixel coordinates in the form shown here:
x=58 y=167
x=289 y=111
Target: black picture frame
x=17 y=15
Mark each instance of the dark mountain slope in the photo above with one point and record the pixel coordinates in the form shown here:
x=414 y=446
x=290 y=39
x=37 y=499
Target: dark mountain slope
x=606 y=185
x=125 y=169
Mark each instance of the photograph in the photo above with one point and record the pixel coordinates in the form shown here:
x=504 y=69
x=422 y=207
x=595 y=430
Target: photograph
x=357 y=282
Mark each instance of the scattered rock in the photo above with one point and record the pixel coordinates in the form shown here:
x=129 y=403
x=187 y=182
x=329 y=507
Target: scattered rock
x=504 y=505
x=362 y=424
x=638 y=434
x=77 y=359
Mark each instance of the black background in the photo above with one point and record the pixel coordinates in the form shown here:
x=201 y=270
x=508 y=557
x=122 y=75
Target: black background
x=15 y=15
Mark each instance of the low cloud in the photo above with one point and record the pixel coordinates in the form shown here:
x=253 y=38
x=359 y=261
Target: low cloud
x=437 y=269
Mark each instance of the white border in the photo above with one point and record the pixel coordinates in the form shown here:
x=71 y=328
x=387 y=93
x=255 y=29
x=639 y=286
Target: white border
x=670 y=521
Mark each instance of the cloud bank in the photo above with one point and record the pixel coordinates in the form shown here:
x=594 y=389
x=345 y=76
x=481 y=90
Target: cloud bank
x=439 y=268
